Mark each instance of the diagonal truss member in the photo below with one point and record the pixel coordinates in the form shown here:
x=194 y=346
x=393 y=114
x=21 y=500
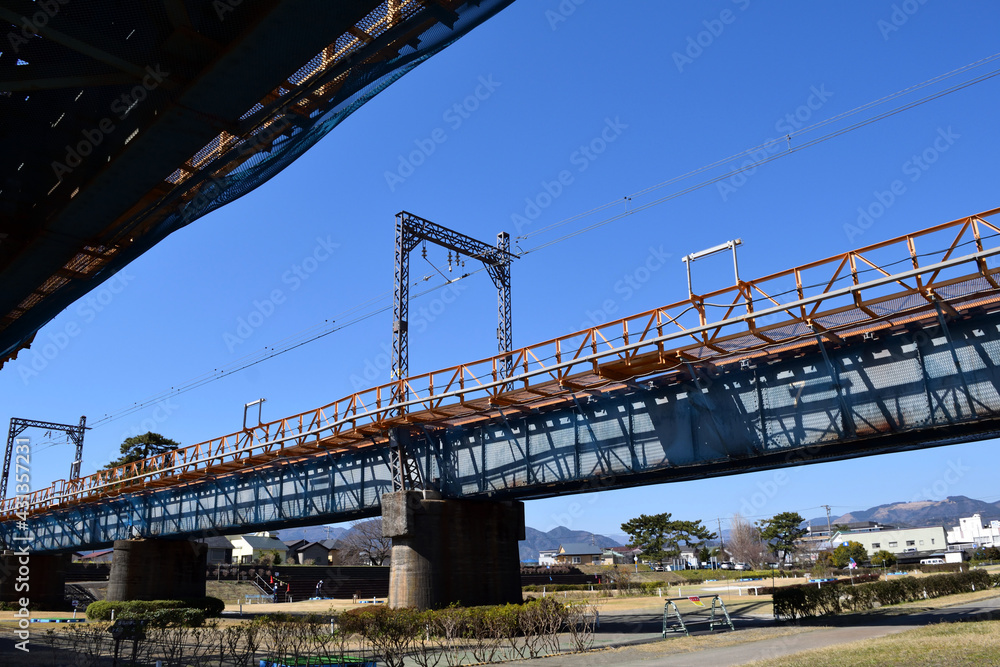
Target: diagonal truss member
x=410 y=231
x=18 y=426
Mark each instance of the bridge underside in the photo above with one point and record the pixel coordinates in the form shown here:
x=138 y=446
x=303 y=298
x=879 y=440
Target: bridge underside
x=907 y=389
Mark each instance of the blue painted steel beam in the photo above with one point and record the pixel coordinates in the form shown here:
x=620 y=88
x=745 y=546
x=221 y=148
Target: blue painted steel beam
x=907 y=390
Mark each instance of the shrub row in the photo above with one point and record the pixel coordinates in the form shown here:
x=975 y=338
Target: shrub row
x=488 y=634
x=550 y=569
x=207 y=606
x=858 y=579
x=834 y=598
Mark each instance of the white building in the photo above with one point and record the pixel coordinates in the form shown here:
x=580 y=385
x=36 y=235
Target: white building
x=898 y=541
x=249 y=548
x=971 y=532
x=547 y=557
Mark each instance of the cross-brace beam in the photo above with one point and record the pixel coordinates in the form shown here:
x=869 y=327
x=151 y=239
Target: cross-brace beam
x=410 y=231
x=19 y=426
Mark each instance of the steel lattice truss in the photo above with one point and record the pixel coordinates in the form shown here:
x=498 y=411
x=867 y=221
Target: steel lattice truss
x=19 y=426
x=917 y=386
x=411 y=230
x=832 y=325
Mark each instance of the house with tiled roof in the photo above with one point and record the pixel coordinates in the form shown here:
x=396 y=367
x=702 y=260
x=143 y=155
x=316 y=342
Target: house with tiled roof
x=578 y=553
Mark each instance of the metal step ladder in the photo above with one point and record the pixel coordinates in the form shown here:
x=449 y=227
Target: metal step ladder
x=670 y=612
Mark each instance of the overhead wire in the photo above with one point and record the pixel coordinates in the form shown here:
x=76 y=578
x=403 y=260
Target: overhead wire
x=307 y=336
x=762 y=161
x=262 y=355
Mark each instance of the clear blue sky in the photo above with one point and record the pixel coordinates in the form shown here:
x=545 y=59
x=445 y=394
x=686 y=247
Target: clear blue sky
x=615 y=97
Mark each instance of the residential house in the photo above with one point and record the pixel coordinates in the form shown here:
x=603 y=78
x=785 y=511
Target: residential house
x=308 y=553
x=220 y=550
x=255 y=547
x=547 y=556
x=291 y=551
x=619 y=555
x=332 y=549
x=687 y=559
x=578 y=553
x=971 y=533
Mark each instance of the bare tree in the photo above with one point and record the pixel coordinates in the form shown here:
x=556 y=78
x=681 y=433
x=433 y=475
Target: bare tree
x=364 y=544
x=745 y=543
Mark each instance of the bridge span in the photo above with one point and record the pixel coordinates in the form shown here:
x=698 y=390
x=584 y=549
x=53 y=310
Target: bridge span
x=892 y=347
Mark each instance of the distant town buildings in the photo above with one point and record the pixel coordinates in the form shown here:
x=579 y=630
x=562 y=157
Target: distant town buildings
x=971 y=533
x=907 y=544
x=901 y=542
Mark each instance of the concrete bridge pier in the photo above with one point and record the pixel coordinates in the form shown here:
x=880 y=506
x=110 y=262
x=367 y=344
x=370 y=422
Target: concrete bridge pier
x=157 y=569
x=447 y=550
x=39 y=578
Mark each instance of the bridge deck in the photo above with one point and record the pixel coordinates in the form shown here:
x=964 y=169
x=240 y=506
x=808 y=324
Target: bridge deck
x=478 y=426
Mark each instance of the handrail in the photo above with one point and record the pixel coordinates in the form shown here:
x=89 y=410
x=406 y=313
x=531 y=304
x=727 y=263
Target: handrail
x=559 y=360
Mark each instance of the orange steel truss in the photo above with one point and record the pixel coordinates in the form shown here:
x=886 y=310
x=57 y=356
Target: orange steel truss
x=940 y=271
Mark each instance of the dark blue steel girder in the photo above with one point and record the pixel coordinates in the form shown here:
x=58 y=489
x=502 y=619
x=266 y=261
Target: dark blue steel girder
x=907 y=390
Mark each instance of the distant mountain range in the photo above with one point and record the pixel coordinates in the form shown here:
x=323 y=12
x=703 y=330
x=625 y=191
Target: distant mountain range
x=536 y=540
x=914 y=514
x=311 y=533
x=920 y=513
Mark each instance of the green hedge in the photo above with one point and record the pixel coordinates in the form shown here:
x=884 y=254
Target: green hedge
x=101 y=610
x=506 y=620
x=835 y=598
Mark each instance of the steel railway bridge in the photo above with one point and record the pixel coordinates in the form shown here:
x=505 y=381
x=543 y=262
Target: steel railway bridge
x=126 y=122
x=890 y=347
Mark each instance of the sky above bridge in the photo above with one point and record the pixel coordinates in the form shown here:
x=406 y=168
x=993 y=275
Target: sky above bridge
x=548 y=120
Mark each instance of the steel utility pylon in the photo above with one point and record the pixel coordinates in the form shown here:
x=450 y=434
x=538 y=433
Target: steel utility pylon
x=18 y=426
x=410 y=231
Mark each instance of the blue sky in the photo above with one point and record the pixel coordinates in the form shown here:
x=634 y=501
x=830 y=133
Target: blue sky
x=546 y=112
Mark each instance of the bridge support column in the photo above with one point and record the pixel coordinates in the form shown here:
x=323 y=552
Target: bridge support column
x=157 y=570
x=446 y=551
x=40 y=578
